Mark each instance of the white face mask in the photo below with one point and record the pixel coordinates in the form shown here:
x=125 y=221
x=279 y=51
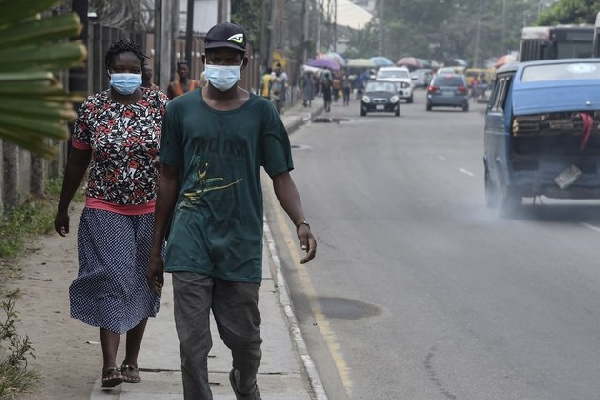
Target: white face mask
x=223 y=77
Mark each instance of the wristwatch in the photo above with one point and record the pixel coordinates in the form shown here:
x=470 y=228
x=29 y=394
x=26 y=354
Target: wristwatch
x=302 y=222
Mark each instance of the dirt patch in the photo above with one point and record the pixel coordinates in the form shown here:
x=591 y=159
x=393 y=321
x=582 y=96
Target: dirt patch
x=68 y=354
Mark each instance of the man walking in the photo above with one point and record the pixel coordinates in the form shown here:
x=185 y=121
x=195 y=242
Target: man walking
x=183 y=84
x=213 y=144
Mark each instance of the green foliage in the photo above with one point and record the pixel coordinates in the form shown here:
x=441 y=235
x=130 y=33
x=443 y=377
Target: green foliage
x=247 y=14
x=570 y=12
x=34 y=217
x=15 y=350
x=33 y=104
x=448 y=29
x=363 y=43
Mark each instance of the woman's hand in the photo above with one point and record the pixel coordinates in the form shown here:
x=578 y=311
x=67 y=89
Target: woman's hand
x=61 y=224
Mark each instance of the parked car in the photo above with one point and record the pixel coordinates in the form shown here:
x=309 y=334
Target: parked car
x=380 y=96
x=401 y=75
x=421 y=77
x=541 y=135
x=447 y=90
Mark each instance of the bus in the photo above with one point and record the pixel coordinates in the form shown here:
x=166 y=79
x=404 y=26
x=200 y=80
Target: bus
x=557 y=42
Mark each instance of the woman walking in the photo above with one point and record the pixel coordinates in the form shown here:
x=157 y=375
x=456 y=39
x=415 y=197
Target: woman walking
x=117 y=135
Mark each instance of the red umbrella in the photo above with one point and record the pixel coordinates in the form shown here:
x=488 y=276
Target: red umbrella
x=409 y=62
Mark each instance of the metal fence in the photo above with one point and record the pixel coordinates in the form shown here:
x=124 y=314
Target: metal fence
x=22 y=174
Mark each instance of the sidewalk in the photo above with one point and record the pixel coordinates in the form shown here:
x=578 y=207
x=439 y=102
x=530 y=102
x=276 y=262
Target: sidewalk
x=286 y=372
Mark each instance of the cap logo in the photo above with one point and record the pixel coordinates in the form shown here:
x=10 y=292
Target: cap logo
x=238 y=38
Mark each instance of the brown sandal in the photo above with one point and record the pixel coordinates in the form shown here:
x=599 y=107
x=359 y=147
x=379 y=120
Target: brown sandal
x=130 y=373
x=111 y=377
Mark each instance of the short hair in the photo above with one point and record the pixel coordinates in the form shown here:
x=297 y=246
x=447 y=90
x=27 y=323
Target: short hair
x=120 y=47
x=182 y=62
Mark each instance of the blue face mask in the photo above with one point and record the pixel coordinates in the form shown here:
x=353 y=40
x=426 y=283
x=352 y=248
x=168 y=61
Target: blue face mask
x=125 y=83
x=223 y=77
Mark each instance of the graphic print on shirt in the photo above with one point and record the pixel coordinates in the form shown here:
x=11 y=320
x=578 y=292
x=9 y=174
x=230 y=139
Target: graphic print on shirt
x=205 y=184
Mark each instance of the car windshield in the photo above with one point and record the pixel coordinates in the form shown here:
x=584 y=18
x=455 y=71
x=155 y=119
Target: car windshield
x=374 y=86
x=563 y=71
x=395 y=74
x=448 y=80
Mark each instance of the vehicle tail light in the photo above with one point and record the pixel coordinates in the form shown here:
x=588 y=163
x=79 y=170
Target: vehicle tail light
x=462 y=89
x=432 y=88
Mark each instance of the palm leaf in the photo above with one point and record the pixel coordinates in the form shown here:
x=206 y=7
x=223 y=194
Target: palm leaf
x=34 y=107
x=16 y=10
x=41 y=31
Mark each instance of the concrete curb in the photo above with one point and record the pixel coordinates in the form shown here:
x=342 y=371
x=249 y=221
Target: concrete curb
x=284 y=297
x=295 y=333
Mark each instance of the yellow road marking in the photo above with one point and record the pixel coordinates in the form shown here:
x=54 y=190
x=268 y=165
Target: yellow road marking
x=311 y=294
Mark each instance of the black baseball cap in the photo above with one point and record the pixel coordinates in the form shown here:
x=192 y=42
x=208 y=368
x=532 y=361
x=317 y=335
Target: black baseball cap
x=226 y=34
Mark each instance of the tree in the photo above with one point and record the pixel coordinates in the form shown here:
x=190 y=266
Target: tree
x=570 y=12
x=33 y=104
x=446 y=29
x=362 y=43
x=247 y=14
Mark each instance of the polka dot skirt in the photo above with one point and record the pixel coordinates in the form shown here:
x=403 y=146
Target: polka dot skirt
x=110 y=290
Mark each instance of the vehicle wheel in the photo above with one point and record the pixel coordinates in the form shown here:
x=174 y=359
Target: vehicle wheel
x=465 y=107
x=428 y=107
x=491 y=191
x=362 y=112
x=397 y=113
x=410 y=99
x=510 y=203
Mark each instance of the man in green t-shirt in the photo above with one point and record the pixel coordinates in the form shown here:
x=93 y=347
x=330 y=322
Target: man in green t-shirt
x=214 y=141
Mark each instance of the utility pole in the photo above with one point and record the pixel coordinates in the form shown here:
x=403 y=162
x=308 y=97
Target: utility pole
x=328 y=36
x=264 y=43
x=169 y=15
x=381 y=35
x=305 y=7
x=319 y=14
x=276 y=25
x=335 y=4
x=477 y=38
x=189 y=34
x=78 y=75
x=157 y=36
x=502 y=28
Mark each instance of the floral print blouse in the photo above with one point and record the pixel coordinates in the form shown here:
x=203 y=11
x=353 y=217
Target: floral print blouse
x=125 y=141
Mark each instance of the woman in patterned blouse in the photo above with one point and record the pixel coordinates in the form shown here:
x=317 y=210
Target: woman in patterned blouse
x=117 y=135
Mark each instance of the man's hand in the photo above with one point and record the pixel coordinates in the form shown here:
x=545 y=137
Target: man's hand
x=154 y=274
x=308 y=242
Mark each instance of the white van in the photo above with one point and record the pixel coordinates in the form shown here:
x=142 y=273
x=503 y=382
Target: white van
x=400 y=75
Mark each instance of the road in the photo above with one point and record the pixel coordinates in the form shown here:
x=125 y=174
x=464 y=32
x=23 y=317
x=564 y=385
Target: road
x=421 y=292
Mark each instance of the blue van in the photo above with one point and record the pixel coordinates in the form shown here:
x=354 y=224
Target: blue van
x=541 y=134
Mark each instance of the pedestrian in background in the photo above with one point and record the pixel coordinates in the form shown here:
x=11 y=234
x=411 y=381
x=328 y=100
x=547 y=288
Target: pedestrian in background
x=326 y=91
x=184 y=84
x=265 y=83
x=277 y=89
x=117 y=134
x=336 y=87
x=307 y=84
x=147 y=76
x=346 y=86
x=213 y=145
